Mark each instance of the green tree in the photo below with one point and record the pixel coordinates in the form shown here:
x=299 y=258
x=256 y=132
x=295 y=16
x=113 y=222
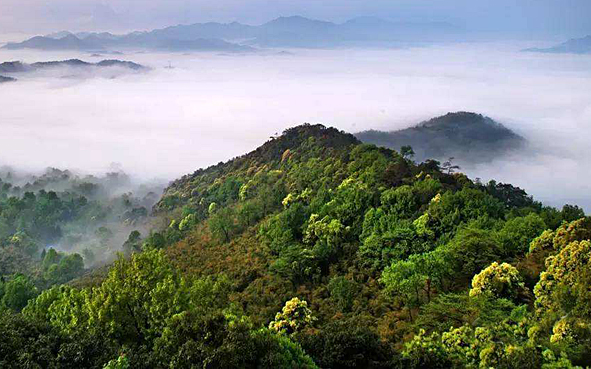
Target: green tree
x=294 y=317
x=497 y=280
x=403 y=281
x=572 y=212
x=137 y=297
x=133 y=242
x=17 y=292
x=343 y=291
x=517 y=233
x=563 y=298
x=407 y=152
x=347 y=344
x=222 y=224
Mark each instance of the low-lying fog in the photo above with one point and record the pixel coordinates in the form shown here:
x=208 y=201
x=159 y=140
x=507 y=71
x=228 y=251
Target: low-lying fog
x=212 y=107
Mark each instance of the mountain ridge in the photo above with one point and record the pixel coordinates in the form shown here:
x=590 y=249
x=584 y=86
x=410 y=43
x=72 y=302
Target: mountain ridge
x=287 y=31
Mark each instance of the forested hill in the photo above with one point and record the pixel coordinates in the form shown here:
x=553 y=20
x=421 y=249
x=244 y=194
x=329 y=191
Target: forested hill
x=469 y=137
x=318 y=251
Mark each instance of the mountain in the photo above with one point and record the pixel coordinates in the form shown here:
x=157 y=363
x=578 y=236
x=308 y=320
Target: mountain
x=312 y=251
x=573 y=46
x=468 y=137
x=20 y=67
x=292 y=31
x=6 y=79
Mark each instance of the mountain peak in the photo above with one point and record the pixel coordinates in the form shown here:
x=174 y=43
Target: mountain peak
x=297 y=21
x=458 y=118
x=291 y=19
x=294 y=138
x=303 y=141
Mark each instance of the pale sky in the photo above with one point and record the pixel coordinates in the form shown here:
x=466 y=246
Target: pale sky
x=507 y=18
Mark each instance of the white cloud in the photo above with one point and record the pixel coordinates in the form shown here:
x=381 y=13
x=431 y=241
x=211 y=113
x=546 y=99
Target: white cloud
x=212 y=108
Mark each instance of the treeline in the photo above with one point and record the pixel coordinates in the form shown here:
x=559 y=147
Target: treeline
x=316 y=250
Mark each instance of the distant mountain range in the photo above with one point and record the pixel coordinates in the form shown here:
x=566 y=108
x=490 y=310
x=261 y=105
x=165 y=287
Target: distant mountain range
x=20 y=67
x=468 y=137
x=292 y=31
x=573 y=46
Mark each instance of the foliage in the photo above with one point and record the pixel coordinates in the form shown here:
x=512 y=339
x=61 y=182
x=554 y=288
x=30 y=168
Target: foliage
x=122 y=362
x=346 y=344
x=17 y=292
x=498 y=280
x=294 y=317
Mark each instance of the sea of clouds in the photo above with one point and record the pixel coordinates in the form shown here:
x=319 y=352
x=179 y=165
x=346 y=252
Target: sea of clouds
x=210 y=107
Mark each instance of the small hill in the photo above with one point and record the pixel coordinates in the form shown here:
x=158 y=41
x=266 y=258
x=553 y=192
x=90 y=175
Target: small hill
x=469 y=137
x=6 y=79
x=572 y=46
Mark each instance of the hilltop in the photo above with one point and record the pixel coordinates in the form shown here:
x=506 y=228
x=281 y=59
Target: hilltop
x=469 y=137
x=293 y=143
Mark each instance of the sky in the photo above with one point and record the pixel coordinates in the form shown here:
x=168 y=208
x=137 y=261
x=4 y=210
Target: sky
x=490 y=18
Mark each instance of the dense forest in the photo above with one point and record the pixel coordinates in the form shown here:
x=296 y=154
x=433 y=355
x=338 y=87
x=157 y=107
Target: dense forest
x=313 y=251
